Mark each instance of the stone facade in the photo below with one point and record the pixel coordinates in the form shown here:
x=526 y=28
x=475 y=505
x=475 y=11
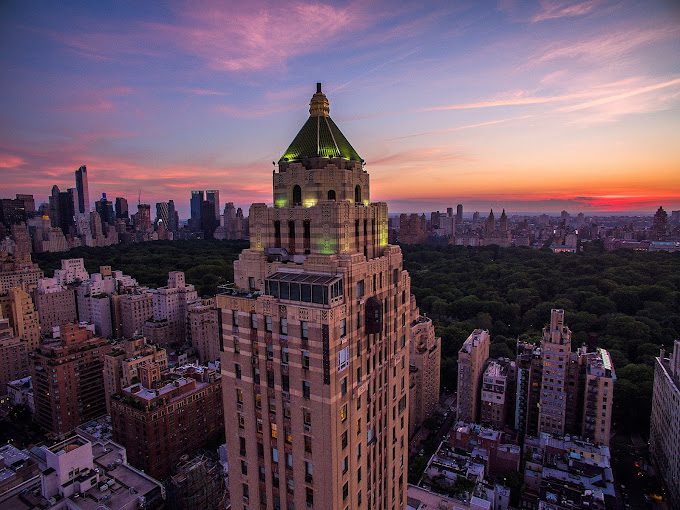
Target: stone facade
x=471 y=359
x=315 y=357
x=425 y=363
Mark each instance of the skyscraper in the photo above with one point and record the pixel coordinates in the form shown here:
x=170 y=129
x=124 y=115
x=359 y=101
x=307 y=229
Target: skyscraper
x=62 y=209
x=459 y=213
x=213 y=196
x=122 y=208
x=471 y=359
x=315 y=357
x=162 y=214
x=173 y=217
x=556 y=350
x=105 y=209
x=83 y=191
x=196 y=204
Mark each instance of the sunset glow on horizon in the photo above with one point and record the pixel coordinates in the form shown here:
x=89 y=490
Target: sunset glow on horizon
x=528 y=107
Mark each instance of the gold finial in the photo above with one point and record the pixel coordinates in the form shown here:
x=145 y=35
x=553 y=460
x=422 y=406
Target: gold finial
x=318 y=106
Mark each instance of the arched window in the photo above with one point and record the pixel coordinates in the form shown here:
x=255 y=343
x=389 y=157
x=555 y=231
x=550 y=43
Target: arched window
x=357 y=194
x=297 y=195
x=331 y=194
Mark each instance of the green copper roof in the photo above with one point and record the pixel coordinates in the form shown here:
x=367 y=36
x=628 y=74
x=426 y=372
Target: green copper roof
x=320 y=137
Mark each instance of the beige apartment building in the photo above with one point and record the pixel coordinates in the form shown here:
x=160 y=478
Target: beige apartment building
x=135 y=309
x=121 y=365
x=497 y=396
x=17 y=306
x=55 y=303
x=664 y=430
x=315 y=359
x=425 y=361
x=471 y=359
x=203 y=319
x=556 y=350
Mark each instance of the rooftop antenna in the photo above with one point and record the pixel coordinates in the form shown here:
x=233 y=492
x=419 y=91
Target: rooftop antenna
x=139 y=198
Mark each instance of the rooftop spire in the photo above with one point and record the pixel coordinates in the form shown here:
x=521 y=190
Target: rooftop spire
x=318 y=106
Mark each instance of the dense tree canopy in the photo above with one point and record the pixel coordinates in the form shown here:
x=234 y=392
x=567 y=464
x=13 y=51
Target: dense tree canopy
x=205 y=263
x=627 y=302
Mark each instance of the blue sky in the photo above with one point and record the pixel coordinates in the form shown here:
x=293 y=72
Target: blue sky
x=527 y=106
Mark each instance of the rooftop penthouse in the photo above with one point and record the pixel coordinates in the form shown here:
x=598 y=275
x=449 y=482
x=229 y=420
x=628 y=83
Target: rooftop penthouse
x=179 y=382
x=474 y=340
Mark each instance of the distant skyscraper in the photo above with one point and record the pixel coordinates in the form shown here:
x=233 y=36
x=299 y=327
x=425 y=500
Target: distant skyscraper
x=196 y=204
x=122 y=208
x=459 y=213
x=62 y=209
x=142 y=218
x=173 y=217
x=83 y=191
x=105 y=209
x=162 y=214
x=213 y=196
x=208 y=221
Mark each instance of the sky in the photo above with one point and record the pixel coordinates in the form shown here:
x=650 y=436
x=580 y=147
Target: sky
x=518 y=105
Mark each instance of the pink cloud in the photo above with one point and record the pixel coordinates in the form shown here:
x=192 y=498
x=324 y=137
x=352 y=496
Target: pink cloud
x=256 y=37
x=622 y=95
x=604 y=101
x=603 y=48
x=10 y=161
x=551 y=9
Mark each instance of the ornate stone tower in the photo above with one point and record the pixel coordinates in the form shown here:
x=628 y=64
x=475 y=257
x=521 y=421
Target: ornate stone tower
x=314 y=331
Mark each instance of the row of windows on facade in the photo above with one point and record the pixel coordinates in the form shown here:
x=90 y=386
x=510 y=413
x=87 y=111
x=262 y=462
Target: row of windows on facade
x=308 y=466
x=297 y=194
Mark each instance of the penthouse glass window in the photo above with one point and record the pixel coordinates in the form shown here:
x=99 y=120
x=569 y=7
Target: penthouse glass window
x=305 y=287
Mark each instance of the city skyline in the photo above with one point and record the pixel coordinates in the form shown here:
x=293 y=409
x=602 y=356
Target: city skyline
x=491 y=106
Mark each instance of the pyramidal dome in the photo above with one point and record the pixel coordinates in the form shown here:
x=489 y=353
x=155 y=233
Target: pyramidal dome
x=319 y=137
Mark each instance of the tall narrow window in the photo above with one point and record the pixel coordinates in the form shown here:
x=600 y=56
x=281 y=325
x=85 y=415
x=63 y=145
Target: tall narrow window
x=357 y=194
x=291 y=237
x=297 y=195
x=277 y=234
x=307 y=236
x=331 y=194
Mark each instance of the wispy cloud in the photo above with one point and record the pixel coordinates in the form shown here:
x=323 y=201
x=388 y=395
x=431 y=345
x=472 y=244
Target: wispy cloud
x=460 y=128
x=253 y=37
x=551 y=9
x=10 y=161
x=605 y=47
x=590 y=97
x=621 y=95
x=202 y=92
x=518 y=98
